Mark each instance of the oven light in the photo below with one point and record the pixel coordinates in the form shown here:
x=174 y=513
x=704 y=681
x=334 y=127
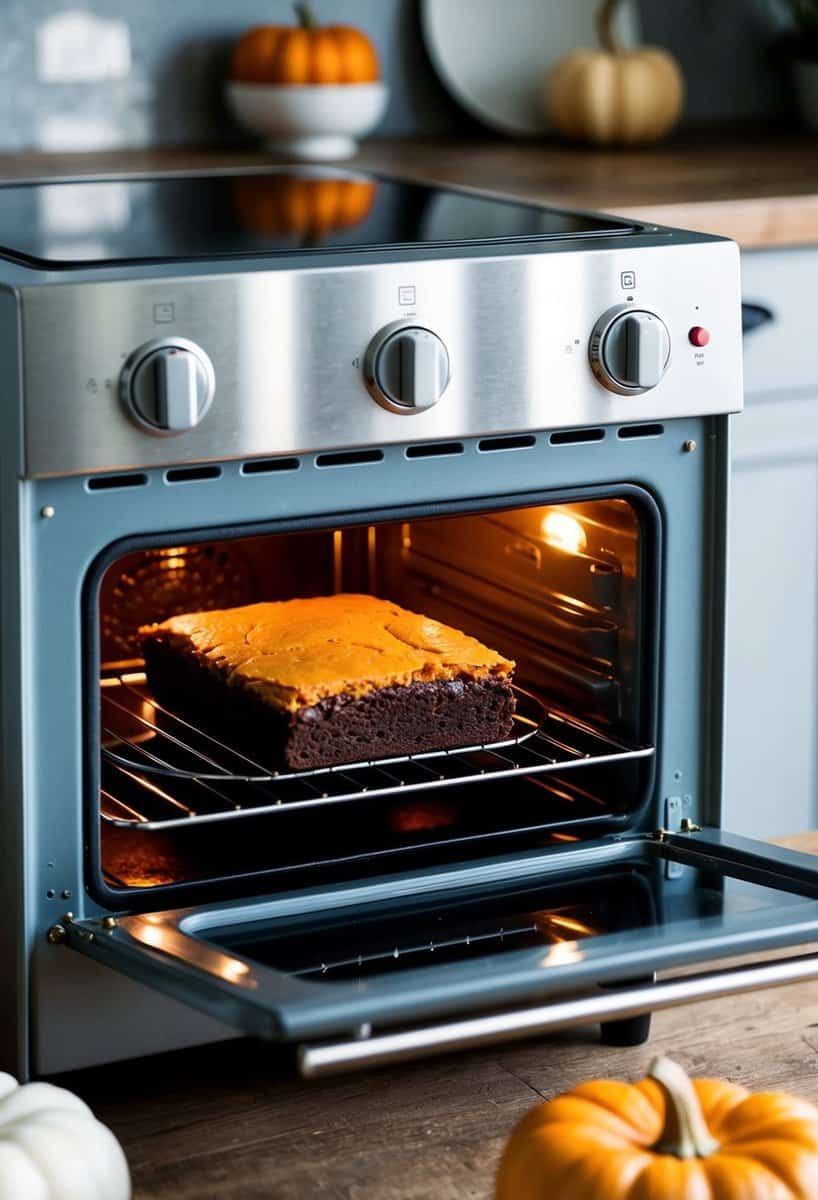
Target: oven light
x=563 y=532
x=172 y=558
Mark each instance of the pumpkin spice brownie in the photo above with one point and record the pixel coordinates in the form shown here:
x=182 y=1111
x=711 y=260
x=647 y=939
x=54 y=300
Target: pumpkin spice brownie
x=331 y=679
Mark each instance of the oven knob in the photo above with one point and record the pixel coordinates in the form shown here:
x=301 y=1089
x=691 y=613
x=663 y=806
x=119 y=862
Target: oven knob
x=630 y=350
x=167 y=385
x=406 y=368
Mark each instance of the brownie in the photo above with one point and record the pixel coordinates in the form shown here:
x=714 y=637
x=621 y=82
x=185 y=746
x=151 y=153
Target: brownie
x=303 y=684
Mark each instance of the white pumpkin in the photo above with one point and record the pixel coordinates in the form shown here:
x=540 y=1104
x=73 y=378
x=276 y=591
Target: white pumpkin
x=52 y=1147
x=613 y=95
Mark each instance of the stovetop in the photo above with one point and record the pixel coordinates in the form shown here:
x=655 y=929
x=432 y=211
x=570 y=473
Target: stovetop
x=169 y=218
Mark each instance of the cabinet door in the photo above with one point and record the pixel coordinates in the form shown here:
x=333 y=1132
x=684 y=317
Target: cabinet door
x=772 y=664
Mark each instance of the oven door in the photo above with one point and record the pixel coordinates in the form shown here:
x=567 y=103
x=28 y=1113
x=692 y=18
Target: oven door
x=404 y=966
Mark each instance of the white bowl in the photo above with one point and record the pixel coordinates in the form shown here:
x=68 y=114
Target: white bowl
x=318 y=121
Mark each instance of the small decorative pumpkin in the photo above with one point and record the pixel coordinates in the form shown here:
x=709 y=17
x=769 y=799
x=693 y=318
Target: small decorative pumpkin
x=664 y=1137
x=614 y=95
x=52 y=1147
x=304 y=53
x=309 y=208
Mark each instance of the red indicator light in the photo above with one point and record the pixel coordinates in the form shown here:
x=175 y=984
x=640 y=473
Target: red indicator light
x=699 y=336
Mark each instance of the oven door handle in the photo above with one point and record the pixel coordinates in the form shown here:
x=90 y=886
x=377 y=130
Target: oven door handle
x=372 y=1051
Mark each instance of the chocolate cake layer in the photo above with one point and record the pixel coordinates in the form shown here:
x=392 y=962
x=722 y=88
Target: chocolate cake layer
x=386 y=722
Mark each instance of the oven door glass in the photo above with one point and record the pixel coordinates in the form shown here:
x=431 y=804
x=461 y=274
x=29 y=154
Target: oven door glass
x=361 y=963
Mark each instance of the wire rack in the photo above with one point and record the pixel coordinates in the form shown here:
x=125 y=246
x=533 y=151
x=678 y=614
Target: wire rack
x=160 y=771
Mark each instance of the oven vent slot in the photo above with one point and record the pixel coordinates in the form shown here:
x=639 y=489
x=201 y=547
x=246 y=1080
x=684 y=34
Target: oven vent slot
x=522 y=441
x=105 y=483
x=266 y=466
x=348 y=458
x=434 y=449
x=191 y=474
x=572 y=437
x=640 y=431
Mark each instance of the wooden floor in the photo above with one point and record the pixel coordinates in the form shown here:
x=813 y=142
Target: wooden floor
x=232 y=1122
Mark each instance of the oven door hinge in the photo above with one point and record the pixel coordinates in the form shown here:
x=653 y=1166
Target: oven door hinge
x=677 y=817
x=677 y=820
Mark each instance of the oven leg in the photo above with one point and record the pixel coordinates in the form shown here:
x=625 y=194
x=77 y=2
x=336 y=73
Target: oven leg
x=630 y=1031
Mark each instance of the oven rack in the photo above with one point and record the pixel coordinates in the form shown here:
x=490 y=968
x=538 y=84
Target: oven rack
x=162 y=772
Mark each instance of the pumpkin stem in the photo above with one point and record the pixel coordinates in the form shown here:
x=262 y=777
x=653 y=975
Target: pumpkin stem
x=305 y=16
x=605 y=26
x=685 y=1133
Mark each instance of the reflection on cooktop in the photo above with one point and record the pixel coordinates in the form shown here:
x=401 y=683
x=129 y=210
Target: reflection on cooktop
x=168 y=218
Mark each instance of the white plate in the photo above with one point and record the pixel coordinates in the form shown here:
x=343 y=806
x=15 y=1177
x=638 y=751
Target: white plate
x=492 y=55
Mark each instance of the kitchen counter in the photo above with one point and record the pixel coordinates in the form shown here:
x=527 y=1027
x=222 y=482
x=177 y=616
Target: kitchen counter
x=757 y=186
x=232 y=1122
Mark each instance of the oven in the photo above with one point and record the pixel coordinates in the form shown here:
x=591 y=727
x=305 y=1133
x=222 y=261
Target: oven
x=522 y=432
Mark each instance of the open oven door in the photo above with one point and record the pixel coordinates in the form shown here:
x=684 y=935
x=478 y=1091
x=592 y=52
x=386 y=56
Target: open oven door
x=404 y=966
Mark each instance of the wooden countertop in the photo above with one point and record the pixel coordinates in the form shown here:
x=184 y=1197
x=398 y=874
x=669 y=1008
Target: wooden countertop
x=757 y=190
x=759 y=186
x=232 y=1122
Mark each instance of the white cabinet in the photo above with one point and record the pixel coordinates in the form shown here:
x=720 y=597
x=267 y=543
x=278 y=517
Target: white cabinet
x=771 y=783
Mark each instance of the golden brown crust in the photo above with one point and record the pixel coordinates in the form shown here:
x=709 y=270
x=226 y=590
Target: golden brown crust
x=294 y=653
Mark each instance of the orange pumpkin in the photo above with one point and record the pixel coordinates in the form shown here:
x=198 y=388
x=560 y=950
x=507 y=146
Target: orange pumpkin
x=304 y=53
x=280 y=204
x=664 y=1138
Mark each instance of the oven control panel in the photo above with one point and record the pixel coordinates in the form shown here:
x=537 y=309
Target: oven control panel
x=357 y=354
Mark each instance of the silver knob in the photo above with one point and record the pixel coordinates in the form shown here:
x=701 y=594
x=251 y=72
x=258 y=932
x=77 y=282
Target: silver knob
x=406 y=368
x=629 y=350
x=167 y=385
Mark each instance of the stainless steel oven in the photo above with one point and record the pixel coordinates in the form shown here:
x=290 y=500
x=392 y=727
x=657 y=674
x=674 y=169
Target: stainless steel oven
x=511 y=420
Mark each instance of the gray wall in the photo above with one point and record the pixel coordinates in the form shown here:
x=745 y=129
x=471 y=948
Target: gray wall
x=171 y=90
x=723 y=48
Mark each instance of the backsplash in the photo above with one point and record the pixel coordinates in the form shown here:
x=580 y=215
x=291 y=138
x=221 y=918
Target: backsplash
x=723 y=49
x=93 y=74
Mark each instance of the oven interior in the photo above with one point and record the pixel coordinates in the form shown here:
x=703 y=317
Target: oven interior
x=568 y=590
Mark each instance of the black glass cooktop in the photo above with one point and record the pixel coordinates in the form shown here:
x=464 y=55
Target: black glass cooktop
x=173 y=218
